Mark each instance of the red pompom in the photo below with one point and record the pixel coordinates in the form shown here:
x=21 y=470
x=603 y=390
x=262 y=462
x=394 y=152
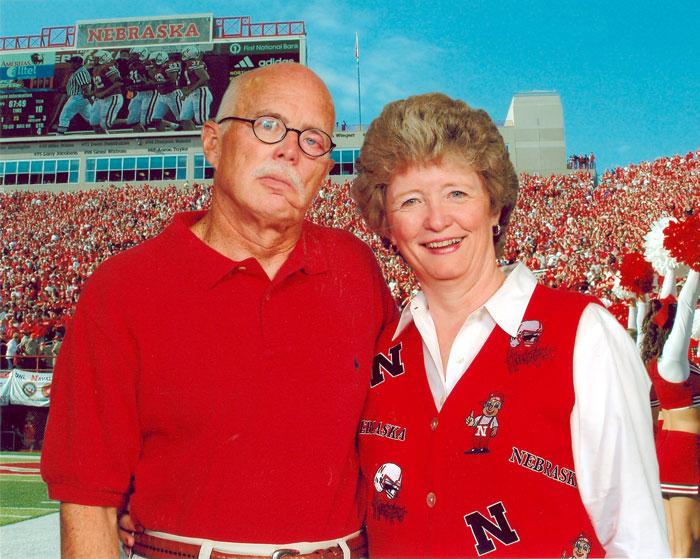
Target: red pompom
x=636 y=274
x=682 y=241
x=620 y=312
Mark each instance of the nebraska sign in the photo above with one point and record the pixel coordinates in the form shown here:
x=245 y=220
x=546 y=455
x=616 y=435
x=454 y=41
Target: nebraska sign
x=155 y=31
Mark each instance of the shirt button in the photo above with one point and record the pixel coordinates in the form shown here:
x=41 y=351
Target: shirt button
x=242 y=268
x=434 y=423
x=430 y=499
x=267 y=297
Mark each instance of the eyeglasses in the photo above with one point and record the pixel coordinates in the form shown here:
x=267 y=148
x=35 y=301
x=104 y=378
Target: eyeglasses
x=271 y=130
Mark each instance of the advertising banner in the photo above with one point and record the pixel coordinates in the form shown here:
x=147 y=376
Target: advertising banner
x=5 y=388
x=28 y=388
x=108 y=91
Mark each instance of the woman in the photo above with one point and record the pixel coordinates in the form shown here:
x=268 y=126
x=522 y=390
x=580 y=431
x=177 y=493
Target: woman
x=664 y=348
x=504 y=418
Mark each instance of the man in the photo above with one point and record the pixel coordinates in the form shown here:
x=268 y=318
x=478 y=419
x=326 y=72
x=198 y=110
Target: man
x=251 y=437
x=12 y=350
x=54 y=350
x=142 y=90
x=197 y=94
x=107 y=84
x=166 y=74
x=29 y=347
x=76 y=95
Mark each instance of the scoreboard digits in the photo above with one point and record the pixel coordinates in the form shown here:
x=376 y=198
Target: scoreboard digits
x=24 y=114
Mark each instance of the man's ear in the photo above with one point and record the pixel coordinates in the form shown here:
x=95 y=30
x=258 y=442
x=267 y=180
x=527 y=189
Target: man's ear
x=211 y=142
x=330 y=167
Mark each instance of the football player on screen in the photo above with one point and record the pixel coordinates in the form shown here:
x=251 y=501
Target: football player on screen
x=107 y=83
x=166 y=73
x=141 y=90
x=198 y=97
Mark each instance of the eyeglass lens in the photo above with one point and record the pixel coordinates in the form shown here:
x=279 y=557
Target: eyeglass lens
x=271 y=130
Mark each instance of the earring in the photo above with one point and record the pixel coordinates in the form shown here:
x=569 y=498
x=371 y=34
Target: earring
x=496 y=230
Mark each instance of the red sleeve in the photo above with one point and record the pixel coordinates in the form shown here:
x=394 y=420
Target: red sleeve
x=93 y=406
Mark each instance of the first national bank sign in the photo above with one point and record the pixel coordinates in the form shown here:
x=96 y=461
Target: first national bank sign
x=152 y=31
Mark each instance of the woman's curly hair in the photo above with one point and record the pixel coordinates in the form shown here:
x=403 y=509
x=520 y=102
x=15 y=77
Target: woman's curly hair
x=424 y=130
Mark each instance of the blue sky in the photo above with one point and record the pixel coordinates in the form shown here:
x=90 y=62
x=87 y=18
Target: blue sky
x=628 y=73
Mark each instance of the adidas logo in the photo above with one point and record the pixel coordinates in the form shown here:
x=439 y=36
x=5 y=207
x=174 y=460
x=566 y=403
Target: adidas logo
x=245 y=63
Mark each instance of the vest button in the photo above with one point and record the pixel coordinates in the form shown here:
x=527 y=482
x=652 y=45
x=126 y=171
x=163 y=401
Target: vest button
x=430 y=499
x=434 y=423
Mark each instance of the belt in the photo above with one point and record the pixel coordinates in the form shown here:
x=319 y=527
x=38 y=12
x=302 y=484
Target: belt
x=154 y=547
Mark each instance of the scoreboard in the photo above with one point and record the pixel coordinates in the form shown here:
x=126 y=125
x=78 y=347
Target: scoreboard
x=22 y=114
x=33 y=82
x=26 y=91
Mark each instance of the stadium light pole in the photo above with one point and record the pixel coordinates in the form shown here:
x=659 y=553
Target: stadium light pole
x=357 y=57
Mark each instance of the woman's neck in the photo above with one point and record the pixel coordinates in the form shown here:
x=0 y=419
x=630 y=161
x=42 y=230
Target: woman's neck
x=451 y=303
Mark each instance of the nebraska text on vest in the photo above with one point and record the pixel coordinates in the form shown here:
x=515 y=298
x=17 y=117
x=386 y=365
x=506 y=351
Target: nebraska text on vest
x=380 y=429
x=543 y=466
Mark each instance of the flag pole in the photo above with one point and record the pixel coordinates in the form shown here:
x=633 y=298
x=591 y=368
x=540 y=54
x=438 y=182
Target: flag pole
x=357 y=57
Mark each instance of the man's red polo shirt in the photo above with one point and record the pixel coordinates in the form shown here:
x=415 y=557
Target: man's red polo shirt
x=243 y=431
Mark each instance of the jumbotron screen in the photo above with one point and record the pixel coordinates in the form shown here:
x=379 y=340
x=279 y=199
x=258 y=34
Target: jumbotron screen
x=136 y=85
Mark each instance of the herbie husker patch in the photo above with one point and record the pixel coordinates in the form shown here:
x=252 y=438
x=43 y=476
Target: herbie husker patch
x=581 y=547
x=387 y=485
x=485 y=425
x=525 y=348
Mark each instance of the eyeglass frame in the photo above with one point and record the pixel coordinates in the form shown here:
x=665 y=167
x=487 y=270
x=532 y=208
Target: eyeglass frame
x=252 y=122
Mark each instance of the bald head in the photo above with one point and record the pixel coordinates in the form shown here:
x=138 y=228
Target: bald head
x=243 y=90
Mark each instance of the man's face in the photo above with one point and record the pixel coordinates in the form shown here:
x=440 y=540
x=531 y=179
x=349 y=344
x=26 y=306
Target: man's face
x=272 y=184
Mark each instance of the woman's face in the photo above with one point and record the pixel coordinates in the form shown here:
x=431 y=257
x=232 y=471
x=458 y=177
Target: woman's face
x=439 y=218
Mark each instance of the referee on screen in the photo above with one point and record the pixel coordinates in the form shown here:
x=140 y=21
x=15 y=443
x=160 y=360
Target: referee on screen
x=76 y=95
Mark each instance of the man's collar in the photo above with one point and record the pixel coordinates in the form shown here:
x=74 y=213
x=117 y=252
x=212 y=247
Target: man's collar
x=507 y=306
x=310 y=251
x=208 y=266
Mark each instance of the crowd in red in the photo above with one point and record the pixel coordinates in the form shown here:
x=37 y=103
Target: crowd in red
x=51 y=242
x=571 y=232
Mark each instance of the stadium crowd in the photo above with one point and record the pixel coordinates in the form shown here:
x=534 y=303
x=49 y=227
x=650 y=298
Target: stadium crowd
x=567 y=229
x=51 y=242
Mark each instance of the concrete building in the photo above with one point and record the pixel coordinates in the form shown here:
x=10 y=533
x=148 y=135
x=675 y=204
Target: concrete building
x=533 y=132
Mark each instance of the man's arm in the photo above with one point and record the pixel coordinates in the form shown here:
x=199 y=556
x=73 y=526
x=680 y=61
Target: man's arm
x=202 y=80
x=88 y=532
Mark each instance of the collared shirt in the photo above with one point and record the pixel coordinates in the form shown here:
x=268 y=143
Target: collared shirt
x=231 y=399
x=12 y=346
x=78 y=81
x=611 y=429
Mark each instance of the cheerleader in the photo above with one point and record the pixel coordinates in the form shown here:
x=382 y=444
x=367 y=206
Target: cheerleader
x=666 y=333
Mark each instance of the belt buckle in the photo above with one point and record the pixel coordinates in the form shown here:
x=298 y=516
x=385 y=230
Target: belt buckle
x=279 y=553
